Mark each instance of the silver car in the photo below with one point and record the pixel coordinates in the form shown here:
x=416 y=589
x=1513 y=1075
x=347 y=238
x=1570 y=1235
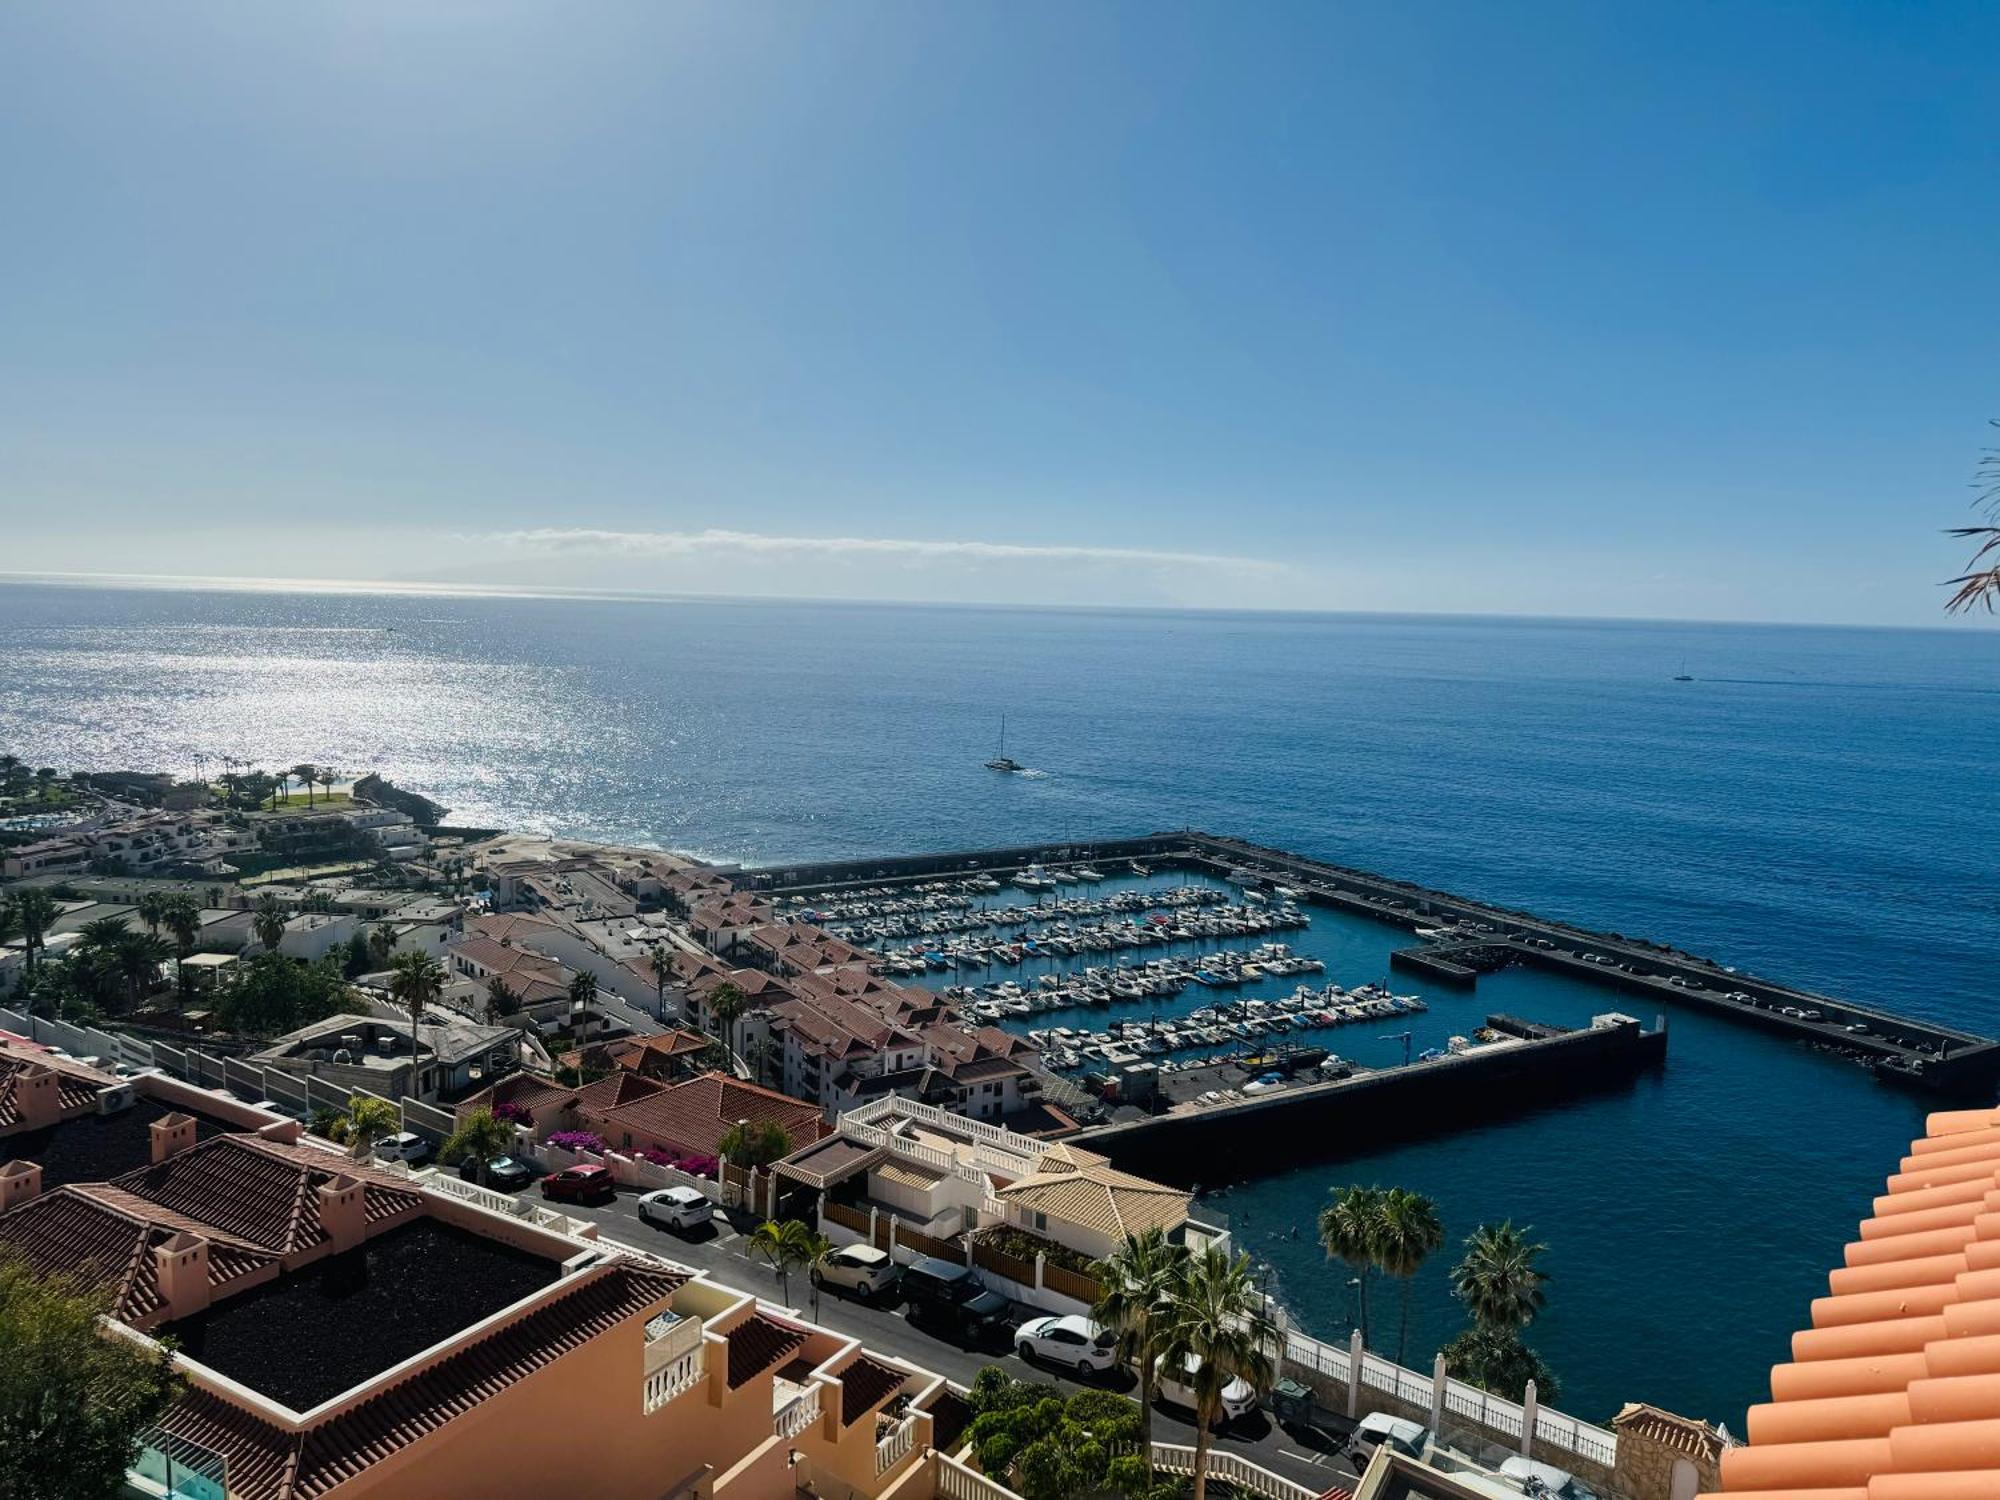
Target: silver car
x=676 y=1208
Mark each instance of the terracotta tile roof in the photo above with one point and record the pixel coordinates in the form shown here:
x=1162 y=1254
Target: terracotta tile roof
x=1098 y=1197
x=113 y=1234
x=614 y=1089
x=832 y=1160
x=261 y=1191
x=865 y=1384
x=697 y=1114
x=267 y=1462
x=76 y=1088
x=756 y=1344
x=528 y=1090
x=1893 y=1391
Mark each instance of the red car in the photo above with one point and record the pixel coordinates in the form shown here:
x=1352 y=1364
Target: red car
x=580 y=1185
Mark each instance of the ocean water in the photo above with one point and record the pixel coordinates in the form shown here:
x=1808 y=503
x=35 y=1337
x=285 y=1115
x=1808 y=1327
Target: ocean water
x=1818 y=806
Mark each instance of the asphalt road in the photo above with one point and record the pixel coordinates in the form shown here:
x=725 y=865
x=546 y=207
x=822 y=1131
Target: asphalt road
x=721 y=1249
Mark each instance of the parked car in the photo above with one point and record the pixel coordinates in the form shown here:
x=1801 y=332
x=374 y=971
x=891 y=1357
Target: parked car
x=508 y=1174
x=1540 y=1479
x=955 y=1299
x=676 y=1208
x=1401 y=1434
x=586 y=1184
x=1071 y=1340
x=1239 y=1397
x=404 y=1147
x=860 y=1269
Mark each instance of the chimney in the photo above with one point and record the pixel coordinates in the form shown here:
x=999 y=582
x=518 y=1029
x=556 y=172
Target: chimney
x=37 y=1096
x=172 y=1134
x=343 y=1211
x=19 y=1181
x=183 y=1273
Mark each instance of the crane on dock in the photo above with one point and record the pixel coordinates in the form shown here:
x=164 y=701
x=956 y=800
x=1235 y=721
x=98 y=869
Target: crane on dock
x=1398 y=1036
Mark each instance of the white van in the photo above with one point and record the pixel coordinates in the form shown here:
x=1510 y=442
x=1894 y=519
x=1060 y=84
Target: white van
x=1401 y=1434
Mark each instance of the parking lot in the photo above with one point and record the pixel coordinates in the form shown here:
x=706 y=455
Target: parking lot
x=722 y=1249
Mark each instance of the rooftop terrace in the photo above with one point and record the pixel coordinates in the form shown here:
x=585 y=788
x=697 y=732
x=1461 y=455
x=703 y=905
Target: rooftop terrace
x=317 y=1332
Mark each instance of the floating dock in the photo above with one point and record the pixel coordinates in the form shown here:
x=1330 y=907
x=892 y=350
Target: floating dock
x=1898 y=1049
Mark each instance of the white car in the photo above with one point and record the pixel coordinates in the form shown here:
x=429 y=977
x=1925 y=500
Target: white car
x=1071 y=1340
x=1378 y=1427
x=404 y=1146
x=860 y=1269
x=1239 y=1397
x=676 y=1208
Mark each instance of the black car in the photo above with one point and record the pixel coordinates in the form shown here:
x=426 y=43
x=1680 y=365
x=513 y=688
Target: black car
x=509 y=1174
x=954 y=1299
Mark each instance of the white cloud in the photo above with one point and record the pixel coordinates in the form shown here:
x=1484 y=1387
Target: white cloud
x=689 y=544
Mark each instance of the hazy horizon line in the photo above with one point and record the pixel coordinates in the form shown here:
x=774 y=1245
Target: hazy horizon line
x=419 y=588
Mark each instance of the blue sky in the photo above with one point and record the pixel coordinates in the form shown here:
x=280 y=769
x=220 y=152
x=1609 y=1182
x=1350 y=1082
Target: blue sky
x=1683 y=310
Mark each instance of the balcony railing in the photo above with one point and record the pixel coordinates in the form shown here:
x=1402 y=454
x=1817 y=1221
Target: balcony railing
x=676 y=1358
x=797 y=1414
x=894 y=1445
x=182 y=1469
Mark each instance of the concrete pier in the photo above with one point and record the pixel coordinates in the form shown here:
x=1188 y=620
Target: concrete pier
x=1539 y=1067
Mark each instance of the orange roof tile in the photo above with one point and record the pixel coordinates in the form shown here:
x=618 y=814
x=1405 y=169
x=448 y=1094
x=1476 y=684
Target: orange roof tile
x=1893 y=1390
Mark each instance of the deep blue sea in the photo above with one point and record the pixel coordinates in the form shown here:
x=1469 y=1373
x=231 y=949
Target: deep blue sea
x=1818 y=806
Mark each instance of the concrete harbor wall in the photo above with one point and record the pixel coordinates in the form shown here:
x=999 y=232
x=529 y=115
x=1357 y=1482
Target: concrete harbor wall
x=1389 y=1106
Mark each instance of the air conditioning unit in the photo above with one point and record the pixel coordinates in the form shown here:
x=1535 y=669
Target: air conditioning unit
x=386 y=1045
x=116 y=1099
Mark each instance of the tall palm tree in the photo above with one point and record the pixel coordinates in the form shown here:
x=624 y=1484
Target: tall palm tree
x=480 y=1139
x=304 y=771
x=1350 y=1231
x=415 y=979
x=367 y=1121
x=140 y=955
x=153 y=910
x=34 y=910
x=1137 y=1283
x=381 y=944
x=1217 y=1331
x=817 y=1247
x=45 y=782
x=1497 y=1278
x=182 y=916
x=102 y=934
x=787 y=1246
x=727 y=1003
x=269 y=922
x=661 y=963
x=1409 y=1230
x=326 y=778
x=582 y=995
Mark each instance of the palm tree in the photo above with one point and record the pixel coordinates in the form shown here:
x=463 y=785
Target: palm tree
x=140 y=955
x=787 y=1246
x=102 y=934
x=480 y=1139
x=34 y=910
x=415 y=979
x=153 y=910
x=816 y=1247
x=582 y=995
x=1979 y=585
x=269 y=922
x=1350 y=1230
x=1138 y=1280
x=368 y=1120
x=381 y=944
x=1498 y=1280
x=183 y=919
x=45 y=781
x=304 y=771
x=661 y=964
x=500 y=999
x=727 y=1003
x=1409 y=1230
x=1217 y=1331
x=326 y=778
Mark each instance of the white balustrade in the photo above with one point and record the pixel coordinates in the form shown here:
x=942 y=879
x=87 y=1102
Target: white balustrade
x=797 y=1414
x=957 y=1481
x=891 y=1449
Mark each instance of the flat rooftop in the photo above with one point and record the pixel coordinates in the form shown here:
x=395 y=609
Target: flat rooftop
x=317 y=1332
x=96 y=1148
